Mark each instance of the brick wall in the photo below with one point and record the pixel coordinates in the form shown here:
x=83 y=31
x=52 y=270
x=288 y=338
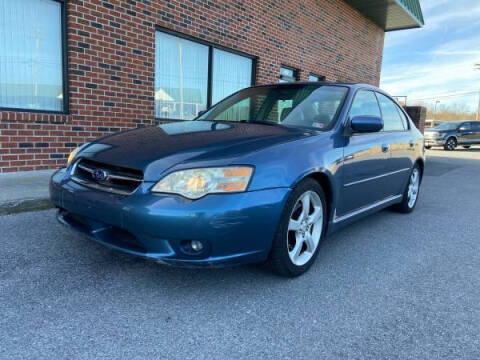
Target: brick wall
x=111 y=61
x=418 y=114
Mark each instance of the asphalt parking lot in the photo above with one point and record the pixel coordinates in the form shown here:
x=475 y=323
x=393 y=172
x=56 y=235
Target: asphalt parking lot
x=389 y=286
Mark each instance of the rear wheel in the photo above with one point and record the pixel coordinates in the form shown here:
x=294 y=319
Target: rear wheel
x=450 y=144
x=466 y=146
x=410 y=195
x=428 y=147
x=300 y=231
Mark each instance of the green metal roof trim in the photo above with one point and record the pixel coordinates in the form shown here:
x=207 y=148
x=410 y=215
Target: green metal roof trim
x=391 y=14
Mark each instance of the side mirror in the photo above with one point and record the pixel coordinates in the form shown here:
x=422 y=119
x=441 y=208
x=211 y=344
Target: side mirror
x=366 y=124
x=462 y=129
x=201 y=112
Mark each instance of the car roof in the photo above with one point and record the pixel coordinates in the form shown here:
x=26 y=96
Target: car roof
x=350 y=85
x=319 y=83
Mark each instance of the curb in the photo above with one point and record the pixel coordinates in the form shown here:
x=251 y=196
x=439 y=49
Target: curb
x=24 y=205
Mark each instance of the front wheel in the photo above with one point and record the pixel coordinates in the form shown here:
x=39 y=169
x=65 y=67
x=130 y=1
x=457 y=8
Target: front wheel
x=410 y=195
x=450 y=144
x=300 y=231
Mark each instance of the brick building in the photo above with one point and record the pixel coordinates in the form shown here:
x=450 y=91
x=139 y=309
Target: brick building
x=73 y=70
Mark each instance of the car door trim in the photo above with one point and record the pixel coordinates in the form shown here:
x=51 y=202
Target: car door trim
x=337 y=219
x=375 y=177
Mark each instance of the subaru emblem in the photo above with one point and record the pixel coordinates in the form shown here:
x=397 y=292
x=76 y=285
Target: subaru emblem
x=100 y=175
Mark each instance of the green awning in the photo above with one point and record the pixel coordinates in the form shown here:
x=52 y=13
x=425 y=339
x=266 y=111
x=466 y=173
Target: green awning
x=391 y=14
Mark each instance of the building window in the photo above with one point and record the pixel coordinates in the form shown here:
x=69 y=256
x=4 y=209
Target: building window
x=288 y=74
x=181 y=77
x=192 y=75
x=231 y=72
x=315 y=77
x=32 y=55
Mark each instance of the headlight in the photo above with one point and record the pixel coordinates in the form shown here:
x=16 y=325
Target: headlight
x=74 y=153
x=195 y=183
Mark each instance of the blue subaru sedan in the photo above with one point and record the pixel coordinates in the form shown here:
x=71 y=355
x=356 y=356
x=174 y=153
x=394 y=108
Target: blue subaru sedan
x=262 y=176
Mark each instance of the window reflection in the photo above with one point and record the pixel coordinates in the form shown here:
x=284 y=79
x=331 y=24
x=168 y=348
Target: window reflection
x=181 y=77
x=31 y=65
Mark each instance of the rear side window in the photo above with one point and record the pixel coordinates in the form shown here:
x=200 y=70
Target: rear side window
x=365 y=104
x=403 y=117
x=391 y=118
x=476 y=126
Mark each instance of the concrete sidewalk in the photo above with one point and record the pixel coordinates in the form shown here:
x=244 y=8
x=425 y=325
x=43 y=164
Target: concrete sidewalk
x=24 y=191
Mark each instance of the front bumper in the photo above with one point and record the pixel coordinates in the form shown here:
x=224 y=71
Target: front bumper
x=234 y=228
x=434 y=142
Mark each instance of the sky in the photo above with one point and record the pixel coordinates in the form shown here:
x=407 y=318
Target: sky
x=438 y=58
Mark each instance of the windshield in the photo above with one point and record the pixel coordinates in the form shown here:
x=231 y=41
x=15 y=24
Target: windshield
x=294 y=105
x=447 y=126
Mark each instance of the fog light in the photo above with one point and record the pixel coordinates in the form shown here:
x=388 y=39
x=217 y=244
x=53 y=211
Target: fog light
x=196 y=245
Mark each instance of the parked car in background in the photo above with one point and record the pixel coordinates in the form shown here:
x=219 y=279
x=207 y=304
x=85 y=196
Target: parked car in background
x=451 y=134
x=263 y=175
x=430 y=124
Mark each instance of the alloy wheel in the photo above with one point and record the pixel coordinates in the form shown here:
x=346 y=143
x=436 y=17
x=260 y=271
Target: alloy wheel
x=413 y=188
x=305 y=228
x=451 y=144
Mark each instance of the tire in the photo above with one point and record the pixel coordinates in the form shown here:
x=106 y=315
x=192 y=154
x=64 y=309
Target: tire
x=428 y=147
x=407 y=206
x=294 y=251
x=450 y=144
x=466 y=146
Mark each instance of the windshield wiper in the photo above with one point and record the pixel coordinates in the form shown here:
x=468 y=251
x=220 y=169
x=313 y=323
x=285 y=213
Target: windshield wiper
x=267 y=122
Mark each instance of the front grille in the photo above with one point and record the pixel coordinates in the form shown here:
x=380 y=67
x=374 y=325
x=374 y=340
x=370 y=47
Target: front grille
x=106 y=177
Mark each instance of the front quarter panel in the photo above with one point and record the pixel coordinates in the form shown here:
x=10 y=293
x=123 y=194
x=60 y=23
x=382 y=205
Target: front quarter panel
x=285 y=165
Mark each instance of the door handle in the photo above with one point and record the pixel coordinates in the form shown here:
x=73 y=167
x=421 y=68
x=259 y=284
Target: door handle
x=384 y=147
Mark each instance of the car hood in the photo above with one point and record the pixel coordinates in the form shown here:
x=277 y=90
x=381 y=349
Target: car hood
x=435 y=131
x=155 y=149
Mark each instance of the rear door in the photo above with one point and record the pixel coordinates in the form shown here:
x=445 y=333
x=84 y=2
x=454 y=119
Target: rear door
x=364 y=161
x=476 y=131
x=400 y=144
x=465 y=134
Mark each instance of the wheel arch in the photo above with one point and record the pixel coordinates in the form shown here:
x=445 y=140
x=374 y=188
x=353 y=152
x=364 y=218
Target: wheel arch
x=452 y=136
x=421 y=165
x=326 y=183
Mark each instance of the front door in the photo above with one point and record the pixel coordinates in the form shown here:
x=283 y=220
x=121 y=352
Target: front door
x=365 y=161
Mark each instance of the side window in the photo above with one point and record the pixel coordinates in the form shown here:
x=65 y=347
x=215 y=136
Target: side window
x=390 y=115
x=466 y=127
x=365 y=103
x=476 y=126
x=403 y=117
